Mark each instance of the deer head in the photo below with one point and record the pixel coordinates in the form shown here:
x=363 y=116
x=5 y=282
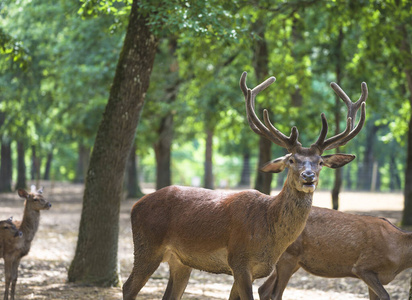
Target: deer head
x=304 y=164
x=34 y=199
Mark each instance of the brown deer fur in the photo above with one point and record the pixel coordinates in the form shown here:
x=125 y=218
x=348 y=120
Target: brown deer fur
x=241 y=234
x=336 y=244
x=8 y=235
x=28 y=226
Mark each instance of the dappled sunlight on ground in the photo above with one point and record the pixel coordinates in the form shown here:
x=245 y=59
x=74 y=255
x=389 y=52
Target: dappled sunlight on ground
x=43 y=273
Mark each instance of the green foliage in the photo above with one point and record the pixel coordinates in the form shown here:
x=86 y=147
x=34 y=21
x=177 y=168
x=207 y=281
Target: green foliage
x=58 y=59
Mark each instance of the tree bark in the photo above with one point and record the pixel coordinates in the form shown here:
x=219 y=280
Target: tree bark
x=263 y=180
x=407 y=211
x=35 y=164
x=6 y=171
x=209 y=160
x=261 y=61
x=95 y=261
x=245 y=175
x=163 y=149
x=21 y=166
x=47 y=168
x=132 y=178
x=337 y=184
x=83 y=160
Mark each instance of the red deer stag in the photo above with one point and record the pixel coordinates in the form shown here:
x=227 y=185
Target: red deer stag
x=28 y=226
x=335 y=244
x=241 y=234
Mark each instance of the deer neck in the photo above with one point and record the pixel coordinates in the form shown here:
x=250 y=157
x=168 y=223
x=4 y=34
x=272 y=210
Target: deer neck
x=290 y=210
x=30 y=223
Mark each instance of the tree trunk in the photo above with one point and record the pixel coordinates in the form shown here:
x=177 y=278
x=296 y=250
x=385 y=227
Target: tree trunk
x=365 y=176
x=21 y=166
x=46 y=175
x=261 y=62
x=264 y=180
x=163 y=149
x=407 y=211
x=208 y=160
x=337 y=184
x=35 y=165
x=6 y=171
x=83 y=160
x=132 y=179
x=95 y=261
x=245 y=175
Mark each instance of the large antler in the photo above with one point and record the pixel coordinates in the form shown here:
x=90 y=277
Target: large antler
x=269 y=131
x=350 y=132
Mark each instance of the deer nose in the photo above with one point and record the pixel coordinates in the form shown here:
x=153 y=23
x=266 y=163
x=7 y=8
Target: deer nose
x=308 y=176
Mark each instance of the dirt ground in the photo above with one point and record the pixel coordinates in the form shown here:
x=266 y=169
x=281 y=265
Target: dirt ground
x=43 y=273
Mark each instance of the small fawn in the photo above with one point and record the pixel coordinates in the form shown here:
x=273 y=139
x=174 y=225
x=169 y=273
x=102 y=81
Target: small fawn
x=28 y=226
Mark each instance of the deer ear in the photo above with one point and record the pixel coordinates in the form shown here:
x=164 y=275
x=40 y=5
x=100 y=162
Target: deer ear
x=275 y=166
x=22 y=193
x=337 y=160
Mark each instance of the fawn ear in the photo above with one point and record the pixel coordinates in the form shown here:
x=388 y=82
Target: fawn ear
x=275 y=166
x=40 y=190
x=337 y=160
x=22 y=193
x=33 y=188
x=10 y=219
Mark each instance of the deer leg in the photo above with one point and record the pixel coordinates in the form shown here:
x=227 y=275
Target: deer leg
x=8 y=276
x=14 y=274
x=276 y=283
x=372 y=295
x=143 y=268
x=372 y=280
x=242 y=286
x=178 y=279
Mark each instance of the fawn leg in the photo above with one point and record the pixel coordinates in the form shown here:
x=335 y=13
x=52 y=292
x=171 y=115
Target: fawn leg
x=14 y=274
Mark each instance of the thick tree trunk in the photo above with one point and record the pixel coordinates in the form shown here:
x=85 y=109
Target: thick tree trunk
x=163 y=149
x=6 y=171
x=95 y=261
x=245 y=175
x=264 y=180
x=21 y=166
x=407 y=211
x=46 y=175
x=83 y=160
x=209 y=160
x=132 y=178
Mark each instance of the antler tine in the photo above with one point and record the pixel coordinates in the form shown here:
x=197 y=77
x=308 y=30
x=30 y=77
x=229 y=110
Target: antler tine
x=353 y=107
x=256 y=125
x=349 y=133
x=354 y=132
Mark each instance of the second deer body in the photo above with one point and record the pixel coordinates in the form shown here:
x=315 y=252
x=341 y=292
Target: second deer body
x=336 y=244
x=241 y=234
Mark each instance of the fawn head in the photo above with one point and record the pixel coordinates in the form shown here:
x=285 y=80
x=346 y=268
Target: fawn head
x=9 y=230
x=305 y=164
x=34 y=199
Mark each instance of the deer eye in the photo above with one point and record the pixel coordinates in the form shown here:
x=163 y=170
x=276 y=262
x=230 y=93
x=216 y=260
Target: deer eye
x=321 y=163
x=291 y=161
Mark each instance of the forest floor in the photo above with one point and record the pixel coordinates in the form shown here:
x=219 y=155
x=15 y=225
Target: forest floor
x=43 y=273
